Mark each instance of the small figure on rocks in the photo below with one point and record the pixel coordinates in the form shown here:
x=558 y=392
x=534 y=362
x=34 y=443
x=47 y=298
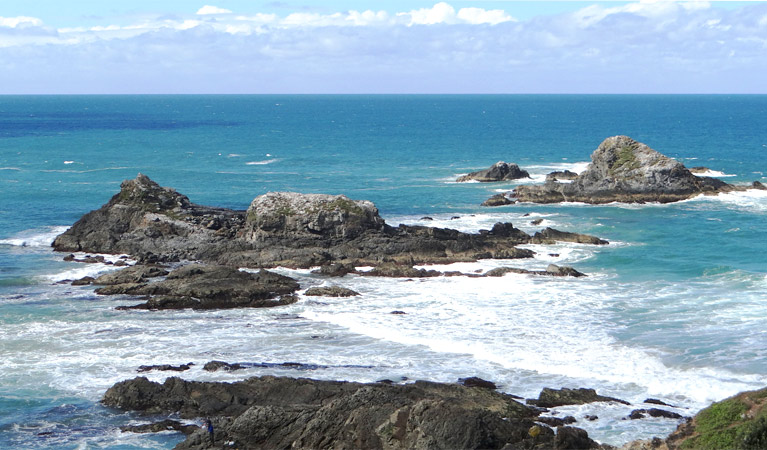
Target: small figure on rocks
x=207 y=425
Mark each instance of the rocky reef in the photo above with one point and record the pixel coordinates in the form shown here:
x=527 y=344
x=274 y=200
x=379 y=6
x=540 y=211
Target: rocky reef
x=500 y=171
x=156 y=224
x=624 y=170
x=274 y=412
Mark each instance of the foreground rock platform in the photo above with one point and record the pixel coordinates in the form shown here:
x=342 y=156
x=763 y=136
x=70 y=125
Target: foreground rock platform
x=154 y=224
x=274 y=412
x=627 y=171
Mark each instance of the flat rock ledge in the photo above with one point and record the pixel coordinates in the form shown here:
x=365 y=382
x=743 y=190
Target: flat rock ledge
x=274 y=412
x=156 y=225
x=500 y=171
x=624 y=170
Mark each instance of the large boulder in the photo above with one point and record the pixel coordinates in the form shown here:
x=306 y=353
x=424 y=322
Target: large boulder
x=321 y=215
x=624 y=170
x=500 y=171
x=270 y=412
x=550 y=398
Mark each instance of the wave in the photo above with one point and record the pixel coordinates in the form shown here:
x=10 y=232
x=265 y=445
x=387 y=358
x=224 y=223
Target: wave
x=10 y=168
x=261 y=163
x=35 y=238
x=714 y=173
x=752 y=200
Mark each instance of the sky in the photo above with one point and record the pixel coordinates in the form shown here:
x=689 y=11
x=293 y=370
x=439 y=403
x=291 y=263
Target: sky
x=381 y=47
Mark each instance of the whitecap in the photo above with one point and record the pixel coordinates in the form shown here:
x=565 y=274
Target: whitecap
x=714 y=173
x=261 y=163
x=38 y=237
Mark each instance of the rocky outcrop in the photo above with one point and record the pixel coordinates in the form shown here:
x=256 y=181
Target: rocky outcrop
x=552 y=270
x=561 y=175
x=498 y=200
x=550 y=236
x=330 y=291
x=199 y=286
x=154 y=224
x=500 y=171
x=624 y=170
x=270 y=412
x=550 y=398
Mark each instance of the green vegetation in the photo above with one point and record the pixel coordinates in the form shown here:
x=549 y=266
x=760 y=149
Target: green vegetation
x=626 y=160
x=734 y=423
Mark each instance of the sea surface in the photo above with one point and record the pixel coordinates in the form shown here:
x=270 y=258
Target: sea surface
x=673 y=309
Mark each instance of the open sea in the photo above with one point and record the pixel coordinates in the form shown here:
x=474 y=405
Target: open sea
x=675 y=308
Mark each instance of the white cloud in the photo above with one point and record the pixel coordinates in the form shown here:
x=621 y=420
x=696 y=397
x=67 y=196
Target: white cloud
x=477 y=16
x=20 y=21
x=439 y=13
x=208 y=10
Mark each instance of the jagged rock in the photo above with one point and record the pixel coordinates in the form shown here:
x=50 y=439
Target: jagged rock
x=199 y=286
x=165 y=367
x=550 y=236
x=164 y=425
x=84 y=281
x=395 y=270
x=655 y=401
x=561 y=175
x=557 y=421
x=214 y=366
x=623 y=170
x=699 y=169
x=271 y=412
x=536 y=222
x=131 y=274
x=477 y=382
x=335 y=269
x=550 y=398
x=498 y=200
x=654 y=412
x=551 y=270
x=153 y=225
x=499 y=171
x=330 y=291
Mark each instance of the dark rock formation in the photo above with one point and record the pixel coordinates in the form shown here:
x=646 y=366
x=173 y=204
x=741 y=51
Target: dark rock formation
x=269 y=412
x=335 y=270
x=550 y=236
x=654 y=412
x=213 y=366
x=200 y=286
x=155 y=225
x=551 y=270
x=164 y=425
x=623 y=170
x=84 y=281
x=498 y=200
x=330 y=291
x=395 y=270
x=561 y=175
x=499 y=171
x=556 y=421
x=550 y=398
x=655 y=401
x=477 y=382
x=165 y=367
x=132 y=274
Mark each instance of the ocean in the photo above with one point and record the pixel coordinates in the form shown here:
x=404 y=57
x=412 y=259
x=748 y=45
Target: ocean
x=672 y=309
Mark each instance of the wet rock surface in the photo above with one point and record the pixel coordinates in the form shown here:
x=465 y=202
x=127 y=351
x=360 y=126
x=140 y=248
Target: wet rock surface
x=272 y=412
x=500 y=171
x=331 y=291
x=550 y=398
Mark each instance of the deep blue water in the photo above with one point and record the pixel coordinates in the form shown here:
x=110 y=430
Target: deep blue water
x=679 y=296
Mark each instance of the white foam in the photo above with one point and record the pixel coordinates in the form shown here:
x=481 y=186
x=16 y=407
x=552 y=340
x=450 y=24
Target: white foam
x=714 y=173
x=69 y=162
x=38 y=237
x=752 y=200
x=261 y=163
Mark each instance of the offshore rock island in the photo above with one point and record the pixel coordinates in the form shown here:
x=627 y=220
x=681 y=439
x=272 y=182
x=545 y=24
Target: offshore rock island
x=622 y=170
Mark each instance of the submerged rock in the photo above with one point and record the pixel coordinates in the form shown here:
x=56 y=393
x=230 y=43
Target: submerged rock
x=272 y=412
x=500 y=171
x=624 y=170
x=330 y=291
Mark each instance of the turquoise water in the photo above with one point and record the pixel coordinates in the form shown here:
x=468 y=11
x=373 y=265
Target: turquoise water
x=672 y=309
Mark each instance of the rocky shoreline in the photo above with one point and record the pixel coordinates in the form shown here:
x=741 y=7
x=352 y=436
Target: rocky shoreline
x=201 y=257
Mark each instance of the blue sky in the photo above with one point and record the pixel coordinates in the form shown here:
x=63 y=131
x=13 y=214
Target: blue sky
x=398 y=46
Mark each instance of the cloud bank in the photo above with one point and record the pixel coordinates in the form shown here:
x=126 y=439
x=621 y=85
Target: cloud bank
x=647 y=46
